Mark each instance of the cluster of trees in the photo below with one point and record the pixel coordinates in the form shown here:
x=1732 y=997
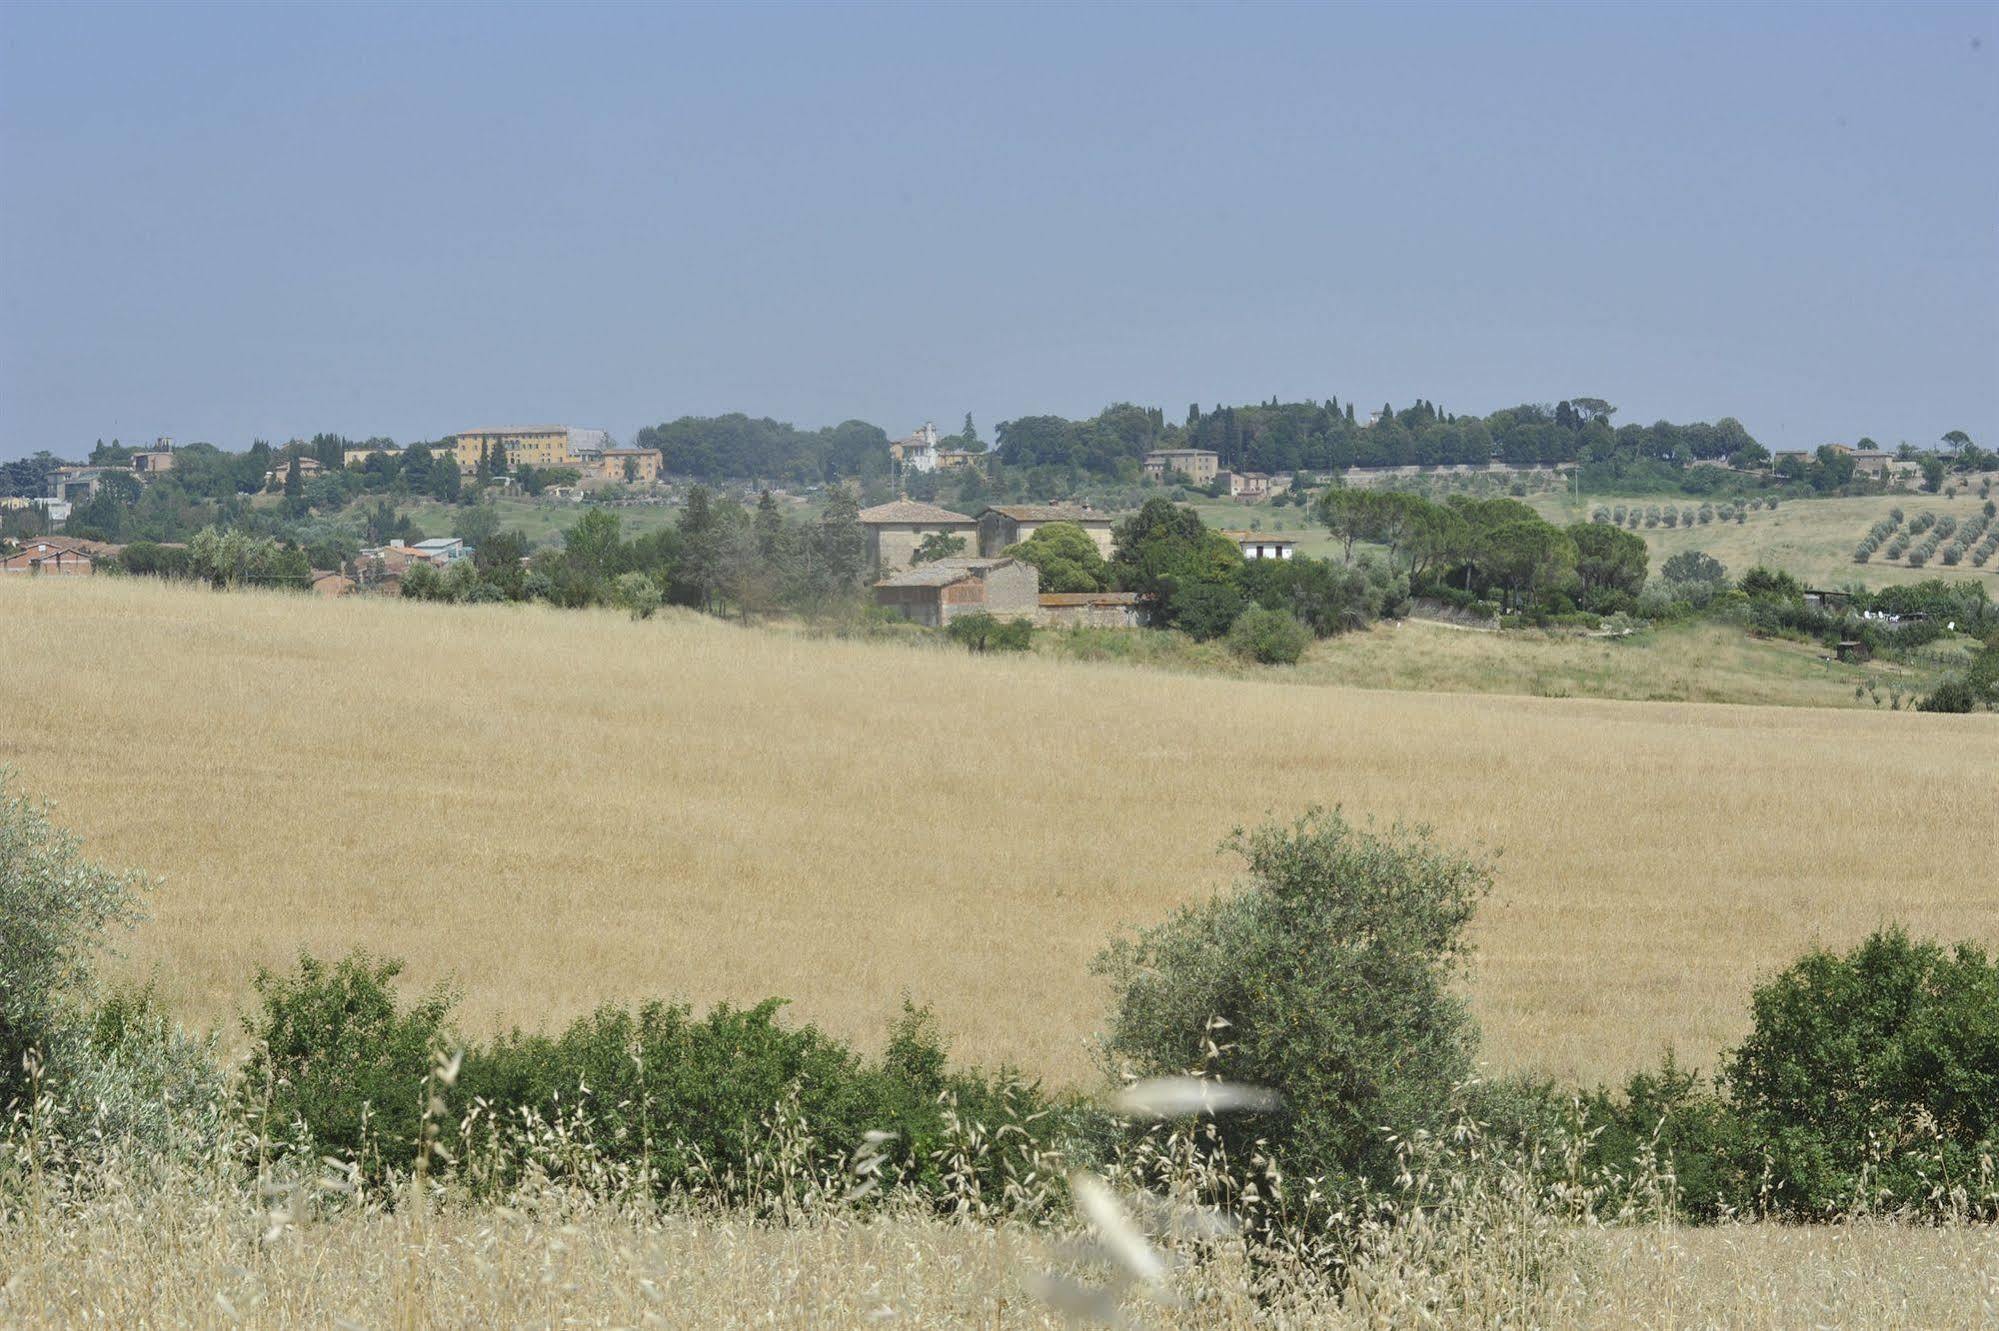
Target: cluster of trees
x=715 y=448
x=720 y=557
x=1111 y=442
x=1326 y=436
x=740 y=447
x=1487 y=549
x=224 y=559
x=1198 y=582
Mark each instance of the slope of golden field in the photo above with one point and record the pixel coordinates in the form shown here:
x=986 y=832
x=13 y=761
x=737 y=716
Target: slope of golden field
x=562 y=808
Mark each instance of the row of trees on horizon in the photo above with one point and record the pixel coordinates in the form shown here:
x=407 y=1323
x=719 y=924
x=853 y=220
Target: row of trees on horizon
x=1268 y=436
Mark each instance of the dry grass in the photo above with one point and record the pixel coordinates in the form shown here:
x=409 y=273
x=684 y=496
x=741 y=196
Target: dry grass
x=1689 y=662
x=180 y=1261
x=563 y=808
x=1699 y=662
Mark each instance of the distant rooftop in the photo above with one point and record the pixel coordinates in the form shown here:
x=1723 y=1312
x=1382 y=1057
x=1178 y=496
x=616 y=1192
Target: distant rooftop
x=943 y=572
x=1047 y=513
x=908 y=510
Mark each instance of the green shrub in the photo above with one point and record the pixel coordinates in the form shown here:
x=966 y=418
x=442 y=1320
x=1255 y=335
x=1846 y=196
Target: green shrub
x=1333 y=966
x=56 y=909
x=1950 y=695
x=141 y=1080
x=1772 y=583
x=1694 y=566
x=1269 y=637
x=711 y=1102
x=1204 y=610
x=1872 y=1079
x=982 y=632
x=336 y=1050
x=1673 y=1122
x=636 y=594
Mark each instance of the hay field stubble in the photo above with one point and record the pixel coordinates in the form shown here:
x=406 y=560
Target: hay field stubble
x=181 y=1261
x=564 y=808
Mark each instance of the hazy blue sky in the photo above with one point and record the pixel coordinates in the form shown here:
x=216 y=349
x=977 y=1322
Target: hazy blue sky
x=227 y=222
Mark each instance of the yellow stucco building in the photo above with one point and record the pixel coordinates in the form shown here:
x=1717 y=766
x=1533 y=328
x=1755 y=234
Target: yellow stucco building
x=531 y=446
x=631 y=465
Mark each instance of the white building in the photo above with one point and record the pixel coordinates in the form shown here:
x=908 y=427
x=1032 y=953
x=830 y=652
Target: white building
x=918 y=451
x=1262 y=545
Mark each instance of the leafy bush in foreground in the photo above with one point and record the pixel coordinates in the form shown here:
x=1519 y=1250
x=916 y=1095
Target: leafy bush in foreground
x=1269 y=637
x=1333 y=967
x=707 y=1103
x=55 y=909
x=93 y=1069
x=1873 y=1077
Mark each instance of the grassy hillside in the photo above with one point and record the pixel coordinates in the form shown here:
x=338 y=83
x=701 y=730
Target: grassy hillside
x=1811 y=538
x=1676 y=663
x=1690 y=662
x=1283 y=520
x=564 y=807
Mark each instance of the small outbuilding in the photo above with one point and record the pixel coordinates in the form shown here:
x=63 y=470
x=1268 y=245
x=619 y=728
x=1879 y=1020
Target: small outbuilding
x=1263 y=545
x=936 y=593
x=1096 y=610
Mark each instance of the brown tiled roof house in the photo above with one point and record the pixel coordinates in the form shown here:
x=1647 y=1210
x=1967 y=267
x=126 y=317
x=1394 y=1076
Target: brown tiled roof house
x=896 y=529
x=1003 y=525
x=938 y=592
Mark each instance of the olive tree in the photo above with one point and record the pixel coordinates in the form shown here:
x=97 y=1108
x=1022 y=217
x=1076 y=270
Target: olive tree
x=55 y=908
x=1334 y=965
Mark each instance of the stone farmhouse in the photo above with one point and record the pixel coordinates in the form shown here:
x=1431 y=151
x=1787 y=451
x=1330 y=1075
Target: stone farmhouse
x=1248 y=486
x=1095 y=610
x=938 y=592
x=1196 y=464
x=1009 y=524
x=896 y=529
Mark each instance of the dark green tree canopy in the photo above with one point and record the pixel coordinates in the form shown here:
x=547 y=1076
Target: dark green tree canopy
x=1066 y=557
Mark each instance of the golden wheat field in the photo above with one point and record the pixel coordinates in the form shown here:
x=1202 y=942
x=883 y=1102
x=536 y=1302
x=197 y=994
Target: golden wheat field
x=562 y=808
x=183 y=1261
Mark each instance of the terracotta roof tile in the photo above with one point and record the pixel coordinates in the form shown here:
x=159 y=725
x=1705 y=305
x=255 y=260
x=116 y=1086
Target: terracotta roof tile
x=908 y=510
